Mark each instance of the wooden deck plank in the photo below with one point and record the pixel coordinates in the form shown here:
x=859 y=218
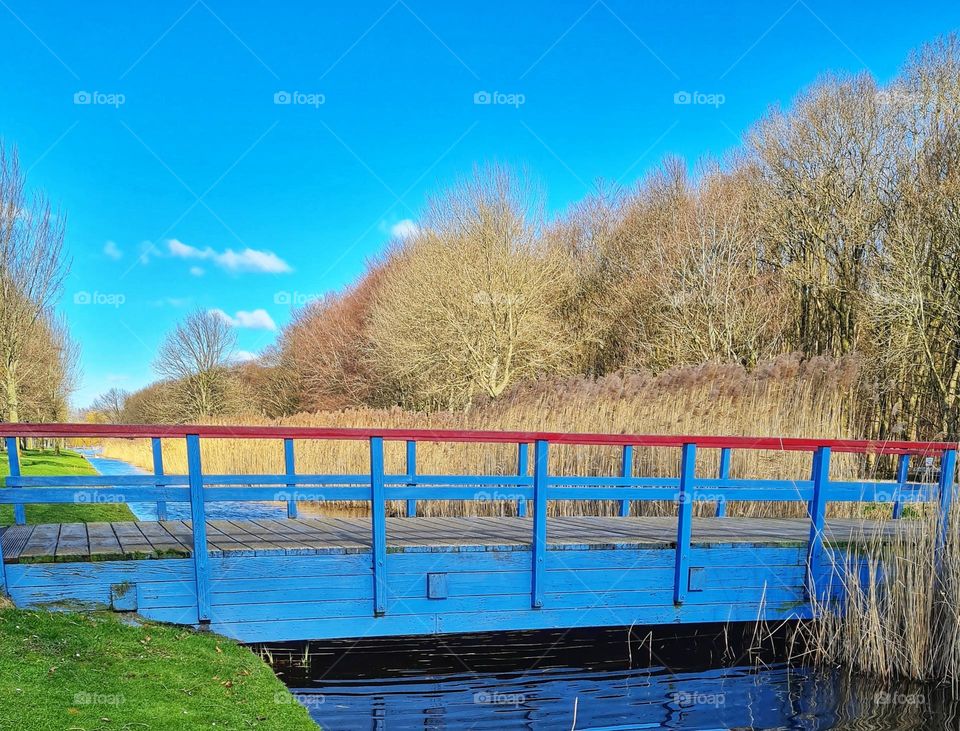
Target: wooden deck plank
x=104 y=545
x=42 y=545
x=15 y=538
x=133 y=543
x=265 y=537
x=73 y=543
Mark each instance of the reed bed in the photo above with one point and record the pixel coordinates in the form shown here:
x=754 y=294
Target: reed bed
x=787 y=398
x=898 y=619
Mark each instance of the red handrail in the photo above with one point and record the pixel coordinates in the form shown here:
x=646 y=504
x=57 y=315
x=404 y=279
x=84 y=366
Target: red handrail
x=140 y=431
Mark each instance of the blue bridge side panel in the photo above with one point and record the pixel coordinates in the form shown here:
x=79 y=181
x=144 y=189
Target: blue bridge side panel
x=276 y=598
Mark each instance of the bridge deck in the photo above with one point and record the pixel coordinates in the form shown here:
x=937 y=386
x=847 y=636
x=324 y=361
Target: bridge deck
x=72 y=542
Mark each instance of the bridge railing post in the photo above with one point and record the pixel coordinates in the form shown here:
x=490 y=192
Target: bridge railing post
x=523 y=456
x=378 y=519
x=157 y=448
x=945 y=488
x=817 y=509
x=541 y=459
x=903 y=469
x=681 y=573
x=290 y=469
x=13 y=457
x=626 y=470
x=411 y=470
x=724 y=474
x=198 y=522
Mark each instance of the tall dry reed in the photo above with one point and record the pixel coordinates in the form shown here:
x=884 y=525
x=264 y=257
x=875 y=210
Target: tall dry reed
x=788 y=397
x=894 y=609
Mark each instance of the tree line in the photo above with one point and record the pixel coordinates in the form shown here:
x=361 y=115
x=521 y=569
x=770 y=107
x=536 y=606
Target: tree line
x=832 y=232
x=38 y=359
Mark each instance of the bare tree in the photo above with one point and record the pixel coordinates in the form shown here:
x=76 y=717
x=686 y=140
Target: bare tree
x=32 y=269
x=111 y=404
x=195 y=358
x=473 y=304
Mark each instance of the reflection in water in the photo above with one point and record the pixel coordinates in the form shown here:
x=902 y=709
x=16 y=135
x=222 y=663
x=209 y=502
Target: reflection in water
x=584 y=680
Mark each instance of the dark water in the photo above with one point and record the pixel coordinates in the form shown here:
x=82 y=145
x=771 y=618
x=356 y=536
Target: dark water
x=226 y=510
x=588 y=679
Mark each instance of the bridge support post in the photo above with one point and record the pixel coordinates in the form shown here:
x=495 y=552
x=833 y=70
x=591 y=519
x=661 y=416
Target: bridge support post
x=198 y=519
x=539 y=548
x=290 y=468
x=724 y=474
x=378 y=516
x=946 y=485
x=523 y=453
x=157 y=448
x=903 y=469
x=13 y=457
x=818 y=512
x=411 y=471
x=681 y=573
x=626 y=470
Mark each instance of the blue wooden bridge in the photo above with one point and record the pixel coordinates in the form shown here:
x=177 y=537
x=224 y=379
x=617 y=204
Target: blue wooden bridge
x=299 y=578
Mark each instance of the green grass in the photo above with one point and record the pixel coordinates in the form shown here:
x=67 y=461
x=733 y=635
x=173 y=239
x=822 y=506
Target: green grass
x=39 y=463
x=98 y=671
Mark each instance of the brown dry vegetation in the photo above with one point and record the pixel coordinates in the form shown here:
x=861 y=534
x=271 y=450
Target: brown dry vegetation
x=786 y=397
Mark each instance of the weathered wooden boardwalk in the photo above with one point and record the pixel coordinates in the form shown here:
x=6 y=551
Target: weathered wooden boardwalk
x=69 y=542
x=304 y=578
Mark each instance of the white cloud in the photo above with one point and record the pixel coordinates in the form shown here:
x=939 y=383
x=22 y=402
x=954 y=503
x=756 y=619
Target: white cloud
x=197 y=271
x=112 y=251
x=404 y=229
x=244 y=356
x=253 y=319
x=245 y=260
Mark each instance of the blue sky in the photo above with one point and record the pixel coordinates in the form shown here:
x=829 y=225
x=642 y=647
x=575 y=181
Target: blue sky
x=161 y=128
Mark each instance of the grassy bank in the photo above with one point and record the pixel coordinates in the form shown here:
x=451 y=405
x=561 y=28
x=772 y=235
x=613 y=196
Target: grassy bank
x=97 y=671
x=66 y=462
x=805 y=399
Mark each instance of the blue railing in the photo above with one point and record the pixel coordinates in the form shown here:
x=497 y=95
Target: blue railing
x=536 y=486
